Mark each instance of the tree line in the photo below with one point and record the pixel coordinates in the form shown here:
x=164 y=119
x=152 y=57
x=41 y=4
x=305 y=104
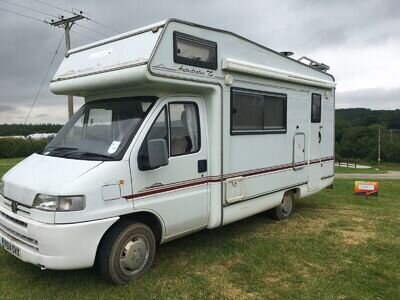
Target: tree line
x=21 y=129
x=357 y=134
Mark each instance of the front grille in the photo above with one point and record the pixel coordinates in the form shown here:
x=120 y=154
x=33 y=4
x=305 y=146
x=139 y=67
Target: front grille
x=22 y=209
x=23 y=224
x=32 y=243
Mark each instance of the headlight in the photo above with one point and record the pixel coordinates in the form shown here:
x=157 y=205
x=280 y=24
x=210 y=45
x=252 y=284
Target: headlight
x=59 y=203
x=1 y=187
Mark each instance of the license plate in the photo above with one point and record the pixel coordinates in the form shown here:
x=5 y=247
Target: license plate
x=8 y=246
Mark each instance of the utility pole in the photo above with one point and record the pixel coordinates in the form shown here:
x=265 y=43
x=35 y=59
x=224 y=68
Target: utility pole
x=67 y=24
x=379 y=146
x=391 y=136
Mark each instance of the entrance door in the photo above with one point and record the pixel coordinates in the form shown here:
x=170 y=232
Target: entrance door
x=316 y=136
x=299 y=153
x=177 y=192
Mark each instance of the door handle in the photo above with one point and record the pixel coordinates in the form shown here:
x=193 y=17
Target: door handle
x=319 y=137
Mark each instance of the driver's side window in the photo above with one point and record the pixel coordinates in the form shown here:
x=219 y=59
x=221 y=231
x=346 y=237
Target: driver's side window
x=178 y=124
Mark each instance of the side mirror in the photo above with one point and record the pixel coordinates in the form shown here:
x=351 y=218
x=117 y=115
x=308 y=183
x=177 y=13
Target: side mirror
x=158 y=153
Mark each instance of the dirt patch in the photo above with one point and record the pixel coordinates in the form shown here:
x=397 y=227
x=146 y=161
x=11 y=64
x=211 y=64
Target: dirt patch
x=216 y=276
x=358 y=220
x=356 y=236
x=277 y=278
x=348 y=224
x=298 y=271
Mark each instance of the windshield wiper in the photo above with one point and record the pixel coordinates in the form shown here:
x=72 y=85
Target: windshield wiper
x=59 y=148
x=55 y=149
x=80 y=154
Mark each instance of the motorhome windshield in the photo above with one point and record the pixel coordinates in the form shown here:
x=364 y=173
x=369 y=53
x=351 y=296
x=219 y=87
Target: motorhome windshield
x=100 y=130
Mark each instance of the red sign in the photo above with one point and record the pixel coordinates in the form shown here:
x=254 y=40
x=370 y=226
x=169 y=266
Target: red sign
x=366 y=188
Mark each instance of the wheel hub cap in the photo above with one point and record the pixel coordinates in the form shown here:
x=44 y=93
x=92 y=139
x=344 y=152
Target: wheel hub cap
x=134 y=255
x=286 y=205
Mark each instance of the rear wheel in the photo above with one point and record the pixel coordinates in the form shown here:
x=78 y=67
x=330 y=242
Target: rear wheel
x=285 y=209
x=126 y=252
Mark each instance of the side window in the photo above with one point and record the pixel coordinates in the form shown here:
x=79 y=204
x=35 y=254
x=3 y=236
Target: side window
x=257 y=112
x=159 y=130
x=184 y=128
x=315 y=108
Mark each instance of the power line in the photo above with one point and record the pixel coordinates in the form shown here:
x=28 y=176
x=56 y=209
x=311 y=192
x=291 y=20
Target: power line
x=43 y=81
x=87 y=16
x=66 y=24
x=29 y=8
x=90 y=29
x=105 y=26
x=90 y=19
x=42 y=21
x=84 y=35
x=22 y=15
x=53 y=6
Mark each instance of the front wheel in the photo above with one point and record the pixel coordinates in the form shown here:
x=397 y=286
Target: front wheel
x=285 y=209
x=126 y=252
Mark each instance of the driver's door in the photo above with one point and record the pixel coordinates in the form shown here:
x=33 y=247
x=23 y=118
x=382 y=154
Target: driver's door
x=177 y=192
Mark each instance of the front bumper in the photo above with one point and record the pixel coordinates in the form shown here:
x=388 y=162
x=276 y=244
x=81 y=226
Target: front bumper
x=53 y=246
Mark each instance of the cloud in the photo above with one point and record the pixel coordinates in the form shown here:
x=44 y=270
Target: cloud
x=6 y=108
x=360 y=40
x=376 y=98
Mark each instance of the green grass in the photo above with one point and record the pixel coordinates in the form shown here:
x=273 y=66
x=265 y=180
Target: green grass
x=375 y=168
x=6 y=164
x=336 y=246
x=387 y=166
x=344 y=170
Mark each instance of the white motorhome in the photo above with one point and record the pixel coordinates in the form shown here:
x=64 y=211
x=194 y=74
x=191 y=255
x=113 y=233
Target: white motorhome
x=184 y=128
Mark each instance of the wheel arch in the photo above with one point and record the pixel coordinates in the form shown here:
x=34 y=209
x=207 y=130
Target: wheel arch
x=150 y=218
x=296 y=192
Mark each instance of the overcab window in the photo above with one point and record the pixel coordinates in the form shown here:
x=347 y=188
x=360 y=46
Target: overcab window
x=257 y=112
x=193 y=51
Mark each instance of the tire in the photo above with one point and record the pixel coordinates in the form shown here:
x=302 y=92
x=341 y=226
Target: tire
x=126 y=252
x=285 y=209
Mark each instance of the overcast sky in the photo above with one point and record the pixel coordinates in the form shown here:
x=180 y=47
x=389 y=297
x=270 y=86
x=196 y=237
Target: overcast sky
x=359 y=39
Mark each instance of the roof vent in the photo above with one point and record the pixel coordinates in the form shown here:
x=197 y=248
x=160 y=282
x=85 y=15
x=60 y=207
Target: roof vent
x=287 y=53
x=314 y=64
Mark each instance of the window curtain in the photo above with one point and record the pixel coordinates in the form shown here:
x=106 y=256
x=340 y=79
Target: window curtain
x=191 y=119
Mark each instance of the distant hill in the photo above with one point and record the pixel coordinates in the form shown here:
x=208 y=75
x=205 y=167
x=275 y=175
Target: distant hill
x=389 y=119
x=356 y=135
x=21 y=129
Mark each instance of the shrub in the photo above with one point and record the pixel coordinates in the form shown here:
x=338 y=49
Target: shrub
x=12 y=147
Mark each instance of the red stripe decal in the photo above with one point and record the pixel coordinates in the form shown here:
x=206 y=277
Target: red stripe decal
x=215 y=179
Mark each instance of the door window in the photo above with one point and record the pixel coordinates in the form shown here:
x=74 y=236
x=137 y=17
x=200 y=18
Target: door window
x=316 y=108
x=184 y=128
x=179 y=126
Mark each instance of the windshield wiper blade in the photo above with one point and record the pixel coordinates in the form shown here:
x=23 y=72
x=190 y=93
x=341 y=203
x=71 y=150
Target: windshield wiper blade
x=88 y=155
x=55 y=149
x=59 y=148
